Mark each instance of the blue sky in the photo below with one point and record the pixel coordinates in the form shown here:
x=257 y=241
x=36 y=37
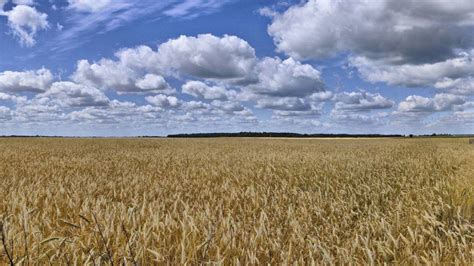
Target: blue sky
x=127 y=68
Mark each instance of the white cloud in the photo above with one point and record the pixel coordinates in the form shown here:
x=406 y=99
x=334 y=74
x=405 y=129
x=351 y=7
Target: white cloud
x=196 y=107
x=208 y=56
x=288 y=87
x=360 y=108
x=120 y=76
x=116 y=112
x=228 y=59
x=200 y=89
x=462 y=121
x=400 y=42
x=415 y=75
x=5 y=113
x=25 y=22
x=359 y=120
x=89 y=5
x=286 y=78
x=33 y=81
x=106 y=74
x=69 y=94
x=228 y=107
x=13 y=98
x=164 y=101
x=301 y=115
x=284 y=104
x=440 y=102
x=361 y=101
x=321 y=96
x=141 y=58
x=154 y=83
x=463 y=86
x=393 y=30
x=40 y=110
x=217 y=110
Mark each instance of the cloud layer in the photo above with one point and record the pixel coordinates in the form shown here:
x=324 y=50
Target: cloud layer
x=338 y=66
x=404 y=43
x=25 y=21
x=393 y=30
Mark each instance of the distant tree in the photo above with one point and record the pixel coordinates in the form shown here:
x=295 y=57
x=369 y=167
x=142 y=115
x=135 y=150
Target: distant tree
x=276 y=135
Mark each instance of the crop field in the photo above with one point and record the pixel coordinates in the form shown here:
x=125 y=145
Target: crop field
x=236 y=201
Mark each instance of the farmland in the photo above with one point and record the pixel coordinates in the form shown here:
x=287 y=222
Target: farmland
x=229 y=201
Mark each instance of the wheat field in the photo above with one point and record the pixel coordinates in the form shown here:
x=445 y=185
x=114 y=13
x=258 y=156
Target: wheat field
x=236 y=201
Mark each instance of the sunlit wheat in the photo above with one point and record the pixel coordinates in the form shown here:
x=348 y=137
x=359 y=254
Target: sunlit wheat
x=229 y=201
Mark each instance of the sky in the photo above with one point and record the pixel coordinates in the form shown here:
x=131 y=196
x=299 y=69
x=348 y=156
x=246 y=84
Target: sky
x=146 y=67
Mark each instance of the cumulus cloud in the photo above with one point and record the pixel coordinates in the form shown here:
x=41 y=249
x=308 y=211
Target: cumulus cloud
x=25 y=21
x=286 y=78
x=223 y=61
x=440 y=102
x=141 y=58
x=301 y=115
x=154 y=83
x=321 y=96
x=358 y=120
x=216 y=110
x=227 y=107
x=5 y=113
x=32 y=81
x=208 y=56
x=228 y=59
x=218 y=64
x=69 y=94
x=38 y=110
x=53 y=105
x=116 y=112
x=288 y=87
x=361 y=101
x=360 y=108
x=284 y=104
x=119 y=76
x=464 y=118
x=415 y=75
x=463 y=86
x=105 y=74
x=200 y=89
x=390 y=29
x=399 y=42
x=13 y=98
x=447 y=122
x=164 y=101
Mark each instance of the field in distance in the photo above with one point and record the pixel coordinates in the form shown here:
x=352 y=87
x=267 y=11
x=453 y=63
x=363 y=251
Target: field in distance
x=230 y=201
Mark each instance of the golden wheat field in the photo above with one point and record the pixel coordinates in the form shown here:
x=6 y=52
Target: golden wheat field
x=236 y=201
